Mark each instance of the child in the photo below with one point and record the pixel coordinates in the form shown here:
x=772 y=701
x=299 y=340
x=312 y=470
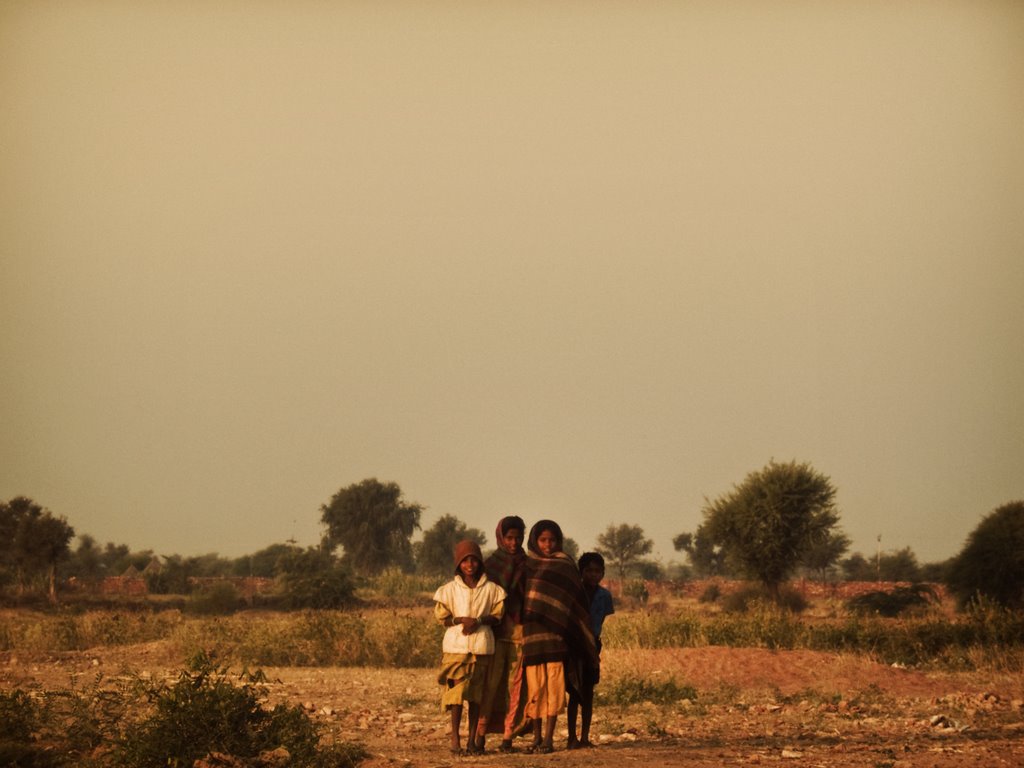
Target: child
x=468 y=605
x=504 y=692
x=557 y=640
x=600 y=600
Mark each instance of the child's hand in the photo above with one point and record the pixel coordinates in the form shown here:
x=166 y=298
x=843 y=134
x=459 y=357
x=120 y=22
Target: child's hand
x=469 y=625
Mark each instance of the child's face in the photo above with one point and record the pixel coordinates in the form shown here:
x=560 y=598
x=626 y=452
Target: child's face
x=592 y=574
x=547 y=543
x=512 y=541
x=470 y=567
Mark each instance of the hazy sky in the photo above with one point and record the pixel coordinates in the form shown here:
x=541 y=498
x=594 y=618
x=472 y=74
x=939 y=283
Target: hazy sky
x=588 y=261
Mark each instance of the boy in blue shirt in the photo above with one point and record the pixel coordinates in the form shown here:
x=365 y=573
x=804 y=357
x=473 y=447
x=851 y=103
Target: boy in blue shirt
x=591 y=566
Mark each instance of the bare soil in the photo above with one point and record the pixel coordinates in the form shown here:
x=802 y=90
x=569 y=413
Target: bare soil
x=753 y=707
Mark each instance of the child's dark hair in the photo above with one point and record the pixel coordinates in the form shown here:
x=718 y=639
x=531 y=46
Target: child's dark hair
x=591 y=557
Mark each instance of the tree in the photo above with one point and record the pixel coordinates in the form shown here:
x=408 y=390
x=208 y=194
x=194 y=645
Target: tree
x=768 y=523
x=571 y=548
x=857 y=568
x=900 y=565
x=34 y=541
x=313 y=578
x=262 y=563
x=85 y=561
x=706 y=557
x=623 y=546
x=824 y=553
x=372 y=524
x=434 y=554
x=991 y=563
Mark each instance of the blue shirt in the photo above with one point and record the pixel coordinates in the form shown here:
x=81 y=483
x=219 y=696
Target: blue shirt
x=600 y=606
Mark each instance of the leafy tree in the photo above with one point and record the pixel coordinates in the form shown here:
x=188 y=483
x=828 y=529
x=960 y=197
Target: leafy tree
x=769 y=522
x=900 y=565
x=857 y=568
x=434 y=553
x=571 y=548
x=824 y=553
x=624 y=545
x=649 y=570
x=262 y=563
x=86 y=561
x=937 y=572
x=706 y=556
x=34 y=542
x=314 y=578
x=373 y=525
x=991 y=563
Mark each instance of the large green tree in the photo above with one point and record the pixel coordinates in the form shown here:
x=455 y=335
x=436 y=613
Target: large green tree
x=768 y=523
x=991 y=563
x=434 y=554
x=373 y=524
x=623 y=546
x=32 y=542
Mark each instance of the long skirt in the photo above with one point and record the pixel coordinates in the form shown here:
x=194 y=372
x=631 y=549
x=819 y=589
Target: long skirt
x=545 y=684
x=462 y=677
x=505 y=690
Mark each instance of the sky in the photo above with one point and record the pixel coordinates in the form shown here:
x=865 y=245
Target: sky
x=593 y=262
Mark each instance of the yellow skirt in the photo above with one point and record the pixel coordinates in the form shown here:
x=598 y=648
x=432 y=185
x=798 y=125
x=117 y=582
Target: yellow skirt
x=545 y=685
x=462 y=677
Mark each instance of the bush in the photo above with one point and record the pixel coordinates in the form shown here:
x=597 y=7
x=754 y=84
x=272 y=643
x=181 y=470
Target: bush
x=19 y=717
x=637 y=590
x=748 y=597
x=205 y=712
x=218 y=598
x=328 y=589
x=711 y=594
x=991 y=564
x=916 y=597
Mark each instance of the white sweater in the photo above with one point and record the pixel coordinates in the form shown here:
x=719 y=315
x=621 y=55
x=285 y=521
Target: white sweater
x=458 y=600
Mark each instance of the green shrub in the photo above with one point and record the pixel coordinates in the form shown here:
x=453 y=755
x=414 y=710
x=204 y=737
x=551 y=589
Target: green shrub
x=636 y=589
x=218 y=598
x=745 y=599
x=19 y=717
x=711 y=594
x=900 y=600
x=204 y=711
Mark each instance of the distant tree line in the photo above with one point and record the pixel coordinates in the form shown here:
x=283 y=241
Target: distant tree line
x=780 y=522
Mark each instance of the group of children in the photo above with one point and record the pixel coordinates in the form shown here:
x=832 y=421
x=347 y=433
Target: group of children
x=523 y=635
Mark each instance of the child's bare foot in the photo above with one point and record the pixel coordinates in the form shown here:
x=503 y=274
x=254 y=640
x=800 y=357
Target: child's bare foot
x=585 y=744
x=573 y=743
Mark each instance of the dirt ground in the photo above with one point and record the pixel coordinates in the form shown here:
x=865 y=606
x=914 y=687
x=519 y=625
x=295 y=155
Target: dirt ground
x=753 y=707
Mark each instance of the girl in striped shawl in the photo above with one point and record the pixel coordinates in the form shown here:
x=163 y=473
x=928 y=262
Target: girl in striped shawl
x=557 y=641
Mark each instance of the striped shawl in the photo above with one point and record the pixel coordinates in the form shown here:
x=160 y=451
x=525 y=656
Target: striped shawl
x=556 y=619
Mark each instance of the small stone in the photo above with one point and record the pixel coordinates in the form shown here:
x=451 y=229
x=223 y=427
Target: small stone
x=791 y=754
x=405 y=717
x=627 y=736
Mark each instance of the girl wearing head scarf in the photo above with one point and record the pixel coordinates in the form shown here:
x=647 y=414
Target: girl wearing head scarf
x=468 y=607
x=504 y=691
x=557 y=640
